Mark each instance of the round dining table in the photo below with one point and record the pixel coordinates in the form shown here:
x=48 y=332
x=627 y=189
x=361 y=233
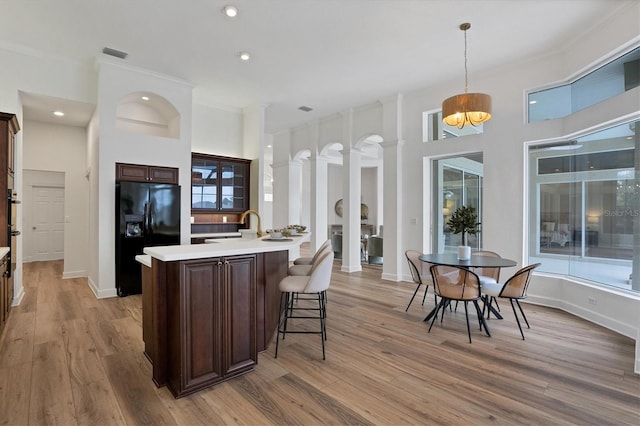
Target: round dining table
x=451 y=259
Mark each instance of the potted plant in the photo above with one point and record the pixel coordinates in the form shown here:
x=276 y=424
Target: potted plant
x=464 y=221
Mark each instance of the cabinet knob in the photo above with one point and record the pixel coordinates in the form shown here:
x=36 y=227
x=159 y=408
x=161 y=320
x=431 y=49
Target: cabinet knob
x=34 y=228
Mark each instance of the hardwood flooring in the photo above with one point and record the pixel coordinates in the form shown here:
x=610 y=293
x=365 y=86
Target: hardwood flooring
x=68 y=358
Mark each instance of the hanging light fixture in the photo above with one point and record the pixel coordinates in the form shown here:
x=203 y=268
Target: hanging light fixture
x=468 y=108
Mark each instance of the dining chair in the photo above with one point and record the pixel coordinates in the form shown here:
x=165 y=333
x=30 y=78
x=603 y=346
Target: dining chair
x=488 y=275
x=315 y=284
x=514 y=289
x=455 y=283
x=419 y=274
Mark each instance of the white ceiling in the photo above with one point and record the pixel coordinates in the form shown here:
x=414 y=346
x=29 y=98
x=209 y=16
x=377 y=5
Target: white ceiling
x=325 y=54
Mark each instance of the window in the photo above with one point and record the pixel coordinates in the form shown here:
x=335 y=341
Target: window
x=585 y=199
x=433 y=128
x=611 y=79
x=458 y=182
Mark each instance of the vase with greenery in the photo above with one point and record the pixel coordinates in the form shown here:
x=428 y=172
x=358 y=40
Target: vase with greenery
x=464 y=221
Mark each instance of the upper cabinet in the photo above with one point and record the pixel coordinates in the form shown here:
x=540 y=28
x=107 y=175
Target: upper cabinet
x=151 y=174
x=219 y=184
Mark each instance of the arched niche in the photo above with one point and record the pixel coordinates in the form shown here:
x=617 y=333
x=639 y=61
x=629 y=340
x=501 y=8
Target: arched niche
x=303 y=154
x=147 y=113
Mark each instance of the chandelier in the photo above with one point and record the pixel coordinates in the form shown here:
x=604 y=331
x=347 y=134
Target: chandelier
x=467 y=108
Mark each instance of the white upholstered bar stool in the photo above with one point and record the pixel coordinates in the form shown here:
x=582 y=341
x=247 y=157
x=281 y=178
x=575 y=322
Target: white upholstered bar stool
x=305 y=268
x=316 y=284
x=310 y=260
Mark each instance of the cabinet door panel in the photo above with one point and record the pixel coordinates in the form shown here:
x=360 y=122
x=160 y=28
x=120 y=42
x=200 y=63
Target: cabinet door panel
x=132 y=172
x=201 y=323
x=163 y=175
x=240 y=314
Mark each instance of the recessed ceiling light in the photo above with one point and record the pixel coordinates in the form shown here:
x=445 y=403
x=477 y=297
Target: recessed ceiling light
x=58 y=113
x=145 y=98
x=230 y=11
x=268 y=146
x=533 y=102
x=245 y=56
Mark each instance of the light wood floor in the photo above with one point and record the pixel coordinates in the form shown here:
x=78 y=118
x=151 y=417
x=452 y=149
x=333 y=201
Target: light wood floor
x=67 y=358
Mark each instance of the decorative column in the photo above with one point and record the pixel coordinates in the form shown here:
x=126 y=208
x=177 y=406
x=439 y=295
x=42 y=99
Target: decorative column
x=319 y=200
x=351 y=164
x=393 y=249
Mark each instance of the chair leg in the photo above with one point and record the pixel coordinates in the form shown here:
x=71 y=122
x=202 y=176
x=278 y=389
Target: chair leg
x=517 y=319
x=324 y=313
x=426 y=289
x=282 y=297
x=522 y=312
x=483 y=323
x=412 y=297
x=322 y=325
x=466 y=314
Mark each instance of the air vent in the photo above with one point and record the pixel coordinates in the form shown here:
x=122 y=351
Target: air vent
x=113 y=52
x=305 y=108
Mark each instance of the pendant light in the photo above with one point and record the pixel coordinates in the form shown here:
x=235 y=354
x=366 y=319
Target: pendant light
x=468 y=108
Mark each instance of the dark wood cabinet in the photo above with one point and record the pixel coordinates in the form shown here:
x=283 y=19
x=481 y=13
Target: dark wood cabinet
x=9 y=127
x=141 y=173
x=219 y=184
x=205 y=320
x=213 y=336
x=6 y=293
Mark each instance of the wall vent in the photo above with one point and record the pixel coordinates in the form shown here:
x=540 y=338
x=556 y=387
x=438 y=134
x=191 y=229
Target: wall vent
x=305 y=108
x=113 y=52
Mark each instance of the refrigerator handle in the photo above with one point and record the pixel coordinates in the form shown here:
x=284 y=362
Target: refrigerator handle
x=149 y=217
x=145 y=223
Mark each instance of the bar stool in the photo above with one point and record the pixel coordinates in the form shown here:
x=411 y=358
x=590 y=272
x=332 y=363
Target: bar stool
x=316 y=283
x=305 y=268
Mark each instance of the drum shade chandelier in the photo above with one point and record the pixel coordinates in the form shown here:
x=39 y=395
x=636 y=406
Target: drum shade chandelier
x=468 y=108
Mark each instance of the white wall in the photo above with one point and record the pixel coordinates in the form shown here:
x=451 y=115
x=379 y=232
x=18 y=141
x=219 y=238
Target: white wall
x=50 y=147
x=114 y=83
x=217 y=131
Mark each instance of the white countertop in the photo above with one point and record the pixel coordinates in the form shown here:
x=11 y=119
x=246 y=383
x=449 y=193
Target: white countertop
x=145 y=259
x=217 y=235
x=223 y=247
x=4 y=251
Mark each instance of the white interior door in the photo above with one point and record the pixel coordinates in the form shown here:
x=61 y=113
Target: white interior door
x=47 y=223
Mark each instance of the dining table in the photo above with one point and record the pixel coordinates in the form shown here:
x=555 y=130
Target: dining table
x=475 y=261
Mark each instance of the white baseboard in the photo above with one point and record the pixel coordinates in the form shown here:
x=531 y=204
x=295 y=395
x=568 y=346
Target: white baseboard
x=74 y=274
x=101 y=294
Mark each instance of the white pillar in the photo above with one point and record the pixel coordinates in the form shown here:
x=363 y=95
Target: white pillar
x=319 y=200
x=393 y=248
x=352 y=181
x=280 y=194
x=254 y=144
x=295 y=192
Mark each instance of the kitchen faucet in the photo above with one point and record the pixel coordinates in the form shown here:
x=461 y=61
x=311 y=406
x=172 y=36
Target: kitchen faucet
x=243 y=216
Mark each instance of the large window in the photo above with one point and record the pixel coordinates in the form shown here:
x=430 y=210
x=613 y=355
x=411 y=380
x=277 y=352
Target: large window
x=585 y=206
x=611 y=79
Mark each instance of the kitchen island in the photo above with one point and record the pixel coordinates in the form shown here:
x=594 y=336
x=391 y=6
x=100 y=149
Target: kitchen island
x=208 y=309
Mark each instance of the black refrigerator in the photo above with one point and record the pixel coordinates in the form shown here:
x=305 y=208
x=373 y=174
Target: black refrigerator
x=147 y=214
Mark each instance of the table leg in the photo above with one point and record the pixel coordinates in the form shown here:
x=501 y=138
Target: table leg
x=485 y=299
x=483 y=323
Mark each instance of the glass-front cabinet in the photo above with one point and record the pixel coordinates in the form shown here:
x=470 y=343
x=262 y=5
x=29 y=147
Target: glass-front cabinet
x=219 y=183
